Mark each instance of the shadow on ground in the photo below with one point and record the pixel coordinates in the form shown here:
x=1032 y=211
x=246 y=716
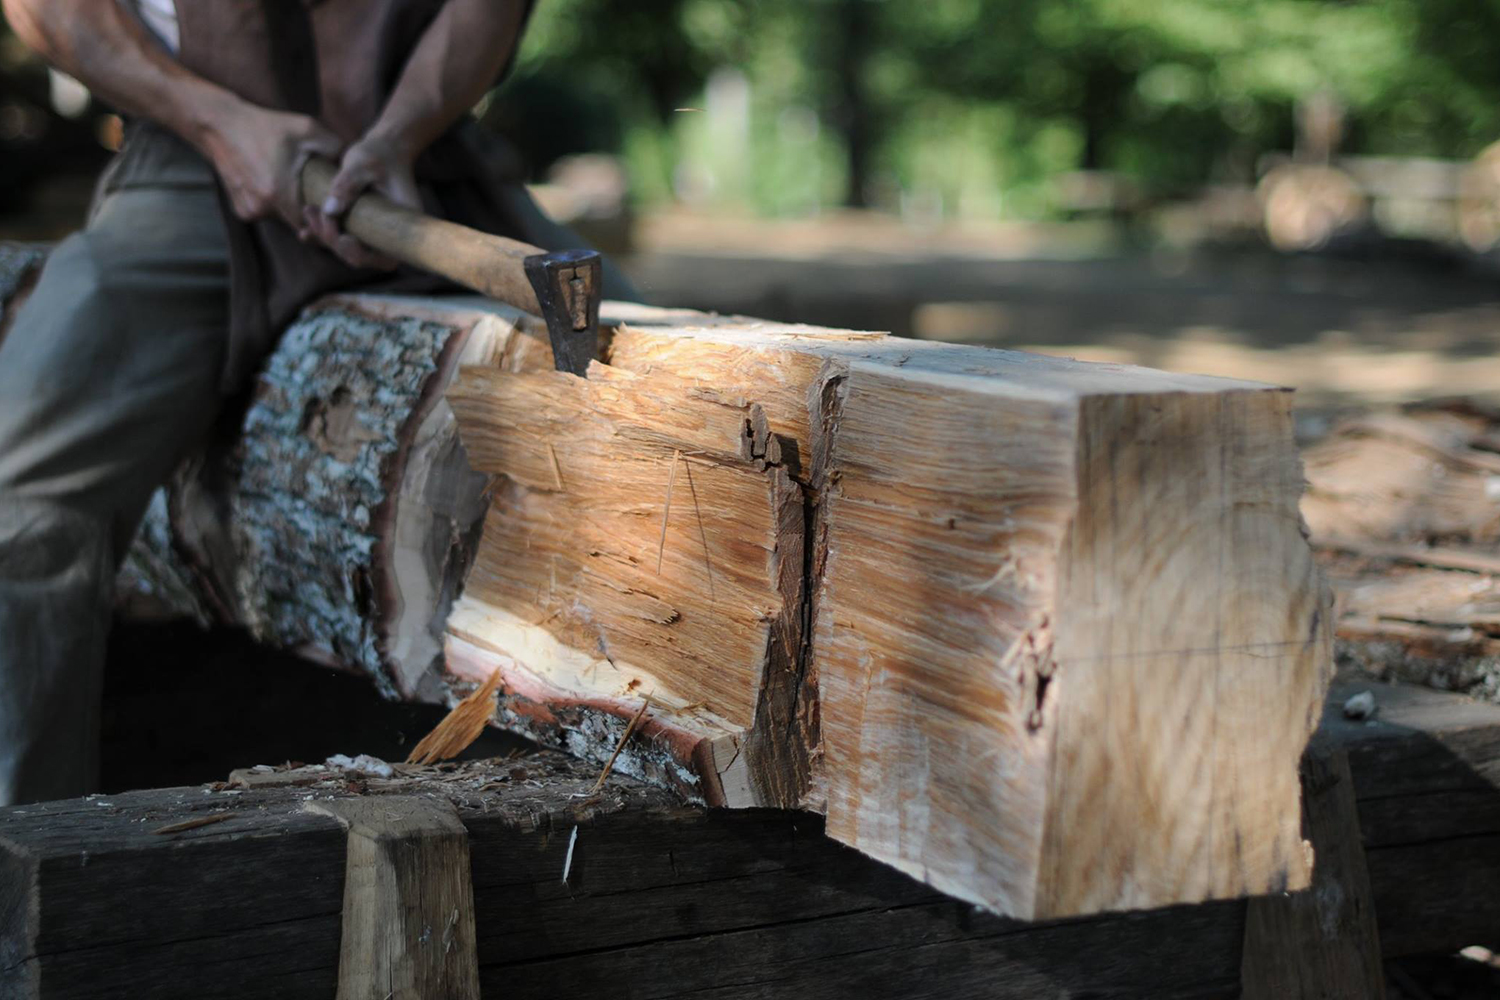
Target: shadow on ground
x=184 y=705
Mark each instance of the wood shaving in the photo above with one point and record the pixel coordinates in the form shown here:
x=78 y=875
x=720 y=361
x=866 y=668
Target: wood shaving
x=460 y=727
x=609 y=764
x=194 y=823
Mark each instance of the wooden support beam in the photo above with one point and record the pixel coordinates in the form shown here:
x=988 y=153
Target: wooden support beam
x=408 y=916
x=1321 y=944
x=668 y=901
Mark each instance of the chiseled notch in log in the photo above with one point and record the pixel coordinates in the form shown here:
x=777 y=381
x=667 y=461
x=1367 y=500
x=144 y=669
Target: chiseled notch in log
x=1067 y=638
x=645 y=540
x=341 y=519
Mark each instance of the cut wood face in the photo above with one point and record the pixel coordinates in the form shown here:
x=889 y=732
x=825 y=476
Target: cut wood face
x=632 y=549
x=1067 y=635
x=1192 y=652
x=945 y=516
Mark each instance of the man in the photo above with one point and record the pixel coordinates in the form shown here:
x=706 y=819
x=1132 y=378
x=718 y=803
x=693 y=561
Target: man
x=196 y=253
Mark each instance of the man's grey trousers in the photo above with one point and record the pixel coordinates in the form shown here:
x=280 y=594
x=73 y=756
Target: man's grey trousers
x=109 y=372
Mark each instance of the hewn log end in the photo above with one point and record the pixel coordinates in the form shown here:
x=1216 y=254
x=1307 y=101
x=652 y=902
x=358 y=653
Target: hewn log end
x=1070 y=653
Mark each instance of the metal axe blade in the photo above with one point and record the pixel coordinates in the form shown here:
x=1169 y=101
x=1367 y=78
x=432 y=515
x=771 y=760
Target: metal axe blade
x=563 y=287
x=568 y=285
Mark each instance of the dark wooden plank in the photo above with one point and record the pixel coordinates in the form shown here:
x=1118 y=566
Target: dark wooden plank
x=1320 y=944
x=1437 y=896
x=667 y=901
x=1426 y=773
x=938 y=948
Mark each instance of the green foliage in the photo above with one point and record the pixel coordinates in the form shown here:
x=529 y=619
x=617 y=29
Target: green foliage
x=971 y=106
x=974 y=107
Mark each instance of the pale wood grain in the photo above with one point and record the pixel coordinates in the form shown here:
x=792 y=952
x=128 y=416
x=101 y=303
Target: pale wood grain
x=566 y=594
x=1016 y=567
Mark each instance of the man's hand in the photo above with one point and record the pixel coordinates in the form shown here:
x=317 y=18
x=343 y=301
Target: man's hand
x=372 y=163
x=259 y=154
x=457 y=59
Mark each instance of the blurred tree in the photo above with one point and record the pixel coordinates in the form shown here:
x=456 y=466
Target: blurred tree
x=35 y=139
x=971 y=105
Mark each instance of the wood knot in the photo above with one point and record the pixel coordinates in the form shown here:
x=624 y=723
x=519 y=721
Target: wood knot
x=333 y=425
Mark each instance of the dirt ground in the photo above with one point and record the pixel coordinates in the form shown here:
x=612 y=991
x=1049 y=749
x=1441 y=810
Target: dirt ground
x=1375 y=323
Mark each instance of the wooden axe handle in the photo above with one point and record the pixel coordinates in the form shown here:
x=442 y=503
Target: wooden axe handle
x=488 y=264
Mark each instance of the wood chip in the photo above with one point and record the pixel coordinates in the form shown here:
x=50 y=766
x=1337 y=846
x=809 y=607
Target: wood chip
x=609 y=764
x=193 y=824
x=460 y=727
x=661 y=544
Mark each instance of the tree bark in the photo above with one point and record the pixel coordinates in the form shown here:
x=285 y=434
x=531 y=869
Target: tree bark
x=340 y=519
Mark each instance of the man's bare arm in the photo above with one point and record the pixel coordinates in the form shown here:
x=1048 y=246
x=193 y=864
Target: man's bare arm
x=255 y=150
x=452 y=67
x=454 y=63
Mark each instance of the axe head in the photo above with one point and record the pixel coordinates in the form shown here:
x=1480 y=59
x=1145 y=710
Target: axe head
x=568 y=286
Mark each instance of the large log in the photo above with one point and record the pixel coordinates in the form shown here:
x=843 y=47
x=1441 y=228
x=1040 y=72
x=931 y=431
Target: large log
x=1044 y=633
x=1063 y=638
x=666 y=901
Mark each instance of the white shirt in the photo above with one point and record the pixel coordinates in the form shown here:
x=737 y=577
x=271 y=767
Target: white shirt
x=160 y=16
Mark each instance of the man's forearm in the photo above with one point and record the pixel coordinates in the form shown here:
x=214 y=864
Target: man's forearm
x=454 y=64
x=102 y=45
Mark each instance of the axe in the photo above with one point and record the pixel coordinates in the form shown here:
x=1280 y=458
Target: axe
x=563 y=286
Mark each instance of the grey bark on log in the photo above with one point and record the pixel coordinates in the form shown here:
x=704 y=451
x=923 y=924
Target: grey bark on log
x=341 y=518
